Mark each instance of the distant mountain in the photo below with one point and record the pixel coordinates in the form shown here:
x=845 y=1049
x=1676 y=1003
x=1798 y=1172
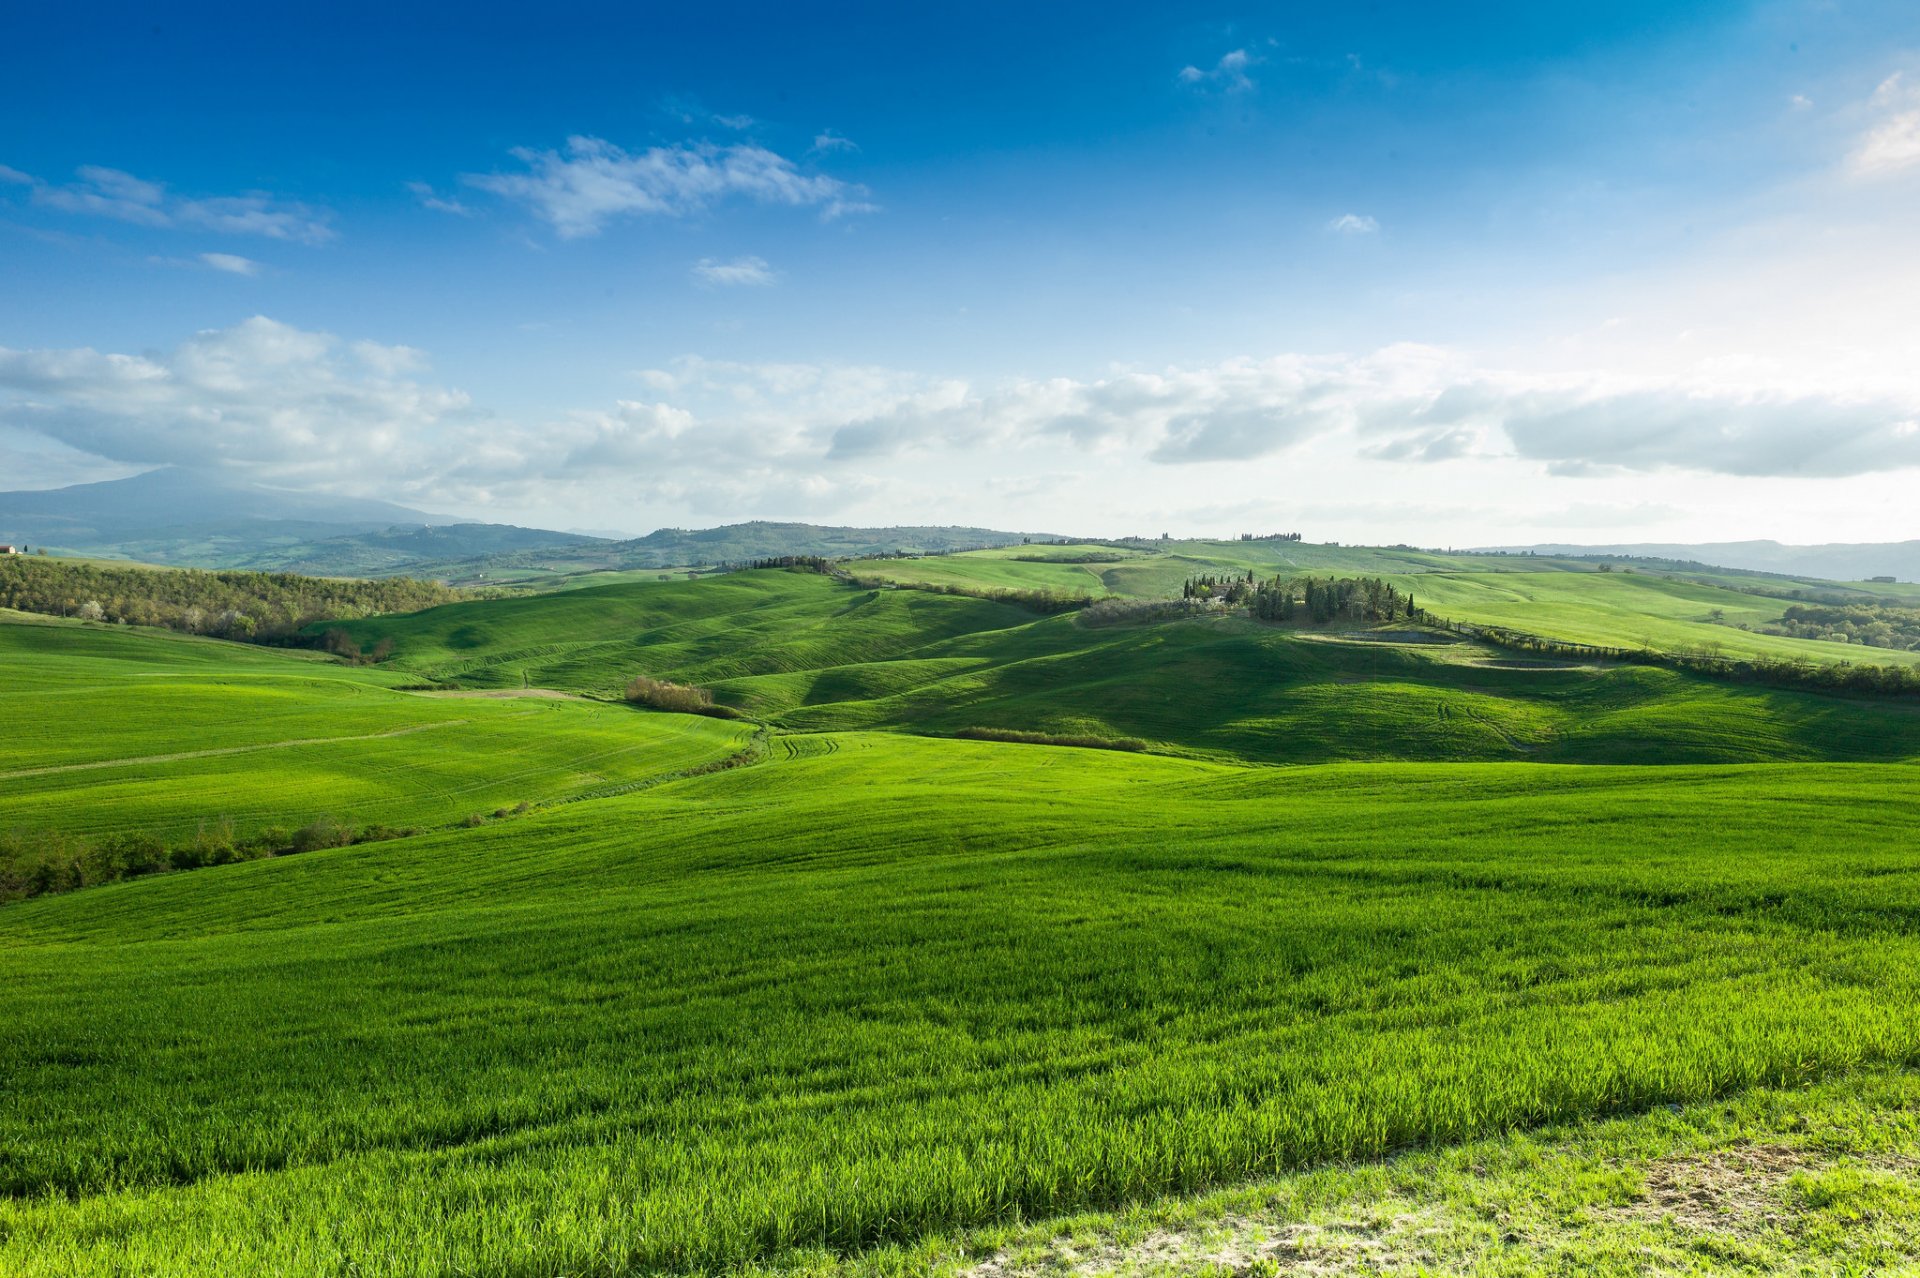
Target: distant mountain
x=1836 y=561
x=191 y=519
x=736 y=543
x=173 y=504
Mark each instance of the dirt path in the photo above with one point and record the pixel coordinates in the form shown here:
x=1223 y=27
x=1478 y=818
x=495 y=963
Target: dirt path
x=211 y=754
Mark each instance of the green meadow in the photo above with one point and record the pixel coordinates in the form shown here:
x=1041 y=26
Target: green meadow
x=877 y=997
x=113 y=730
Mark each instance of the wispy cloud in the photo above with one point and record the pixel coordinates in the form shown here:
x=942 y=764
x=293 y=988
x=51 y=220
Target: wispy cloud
x=1893 y=142
x=741 y=270
x=579 y=190
x=231 y=263
x=104 y=192
x=827 y=141
x=1353 y=224
x=1228 y=74
x=438 y=203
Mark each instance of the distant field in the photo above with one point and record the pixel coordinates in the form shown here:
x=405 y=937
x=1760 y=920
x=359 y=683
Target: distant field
x=810 y=654
x=1561 y=599
x=888 y=987
x=112 y=729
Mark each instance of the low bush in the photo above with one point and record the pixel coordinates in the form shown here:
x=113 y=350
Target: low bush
x=1051 y=738
x=680 y=698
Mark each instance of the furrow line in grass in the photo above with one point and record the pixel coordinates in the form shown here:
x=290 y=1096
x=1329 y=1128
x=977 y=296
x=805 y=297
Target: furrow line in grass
x=224 y=750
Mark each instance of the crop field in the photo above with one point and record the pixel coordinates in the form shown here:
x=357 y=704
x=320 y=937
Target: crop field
x=112 y=730
x=847 y=999
x=876 y=989
x=1561 y=599
x=806 y=653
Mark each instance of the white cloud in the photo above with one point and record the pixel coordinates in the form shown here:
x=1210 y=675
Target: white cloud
x=231 y=263
x=260 y=395
x=303 y=408
x=439 y=204
x=741 y=270
x=103 y=192
x=1353 y=224
x=594 y=181
x=1228 y=74
x=1893 y=142
x=827 y=141
x=1800 y=102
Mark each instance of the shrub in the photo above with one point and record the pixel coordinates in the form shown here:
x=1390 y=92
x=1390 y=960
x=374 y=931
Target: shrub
x=681 y=698
x=1051 y=738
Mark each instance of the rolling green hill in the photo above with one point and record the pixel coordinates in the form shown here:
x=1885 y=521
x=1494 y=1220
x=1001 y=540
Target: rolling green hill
x=826 y=987
x=807 y=653
x=114 y=730
x=1668 y=609
x=890 y=987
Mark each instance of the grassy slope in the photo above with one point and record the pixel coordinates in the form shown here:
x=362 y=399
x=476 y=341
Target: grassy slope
x=810 y=654
x=1564 y=599
x=124 y=701
x=892 y=986
x=1814 y=1181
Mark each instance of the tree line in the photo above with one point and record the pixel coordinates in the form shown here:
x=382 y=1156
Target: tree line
x=261 y=607
x=1872 y=625
x=1311 y=600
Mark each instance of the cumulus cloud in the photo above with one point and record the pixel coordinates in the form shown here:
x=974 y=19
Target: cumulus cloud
x=1353 y=224
x=581 y=188
x=741 y=270
x=1892 y=144
x=260 y=395
x=291 y=406
x=104 y=192
x=231 y=263
x=1229 y=74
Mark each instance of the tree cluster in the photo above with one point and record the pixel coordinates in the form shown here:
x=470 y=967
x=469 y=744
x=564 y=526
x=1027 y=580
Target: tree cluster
x=1269 y=536
x=1359 y=600
x=1227 y=589
x=1874 y=625
x=798 y=563
x=258 y=606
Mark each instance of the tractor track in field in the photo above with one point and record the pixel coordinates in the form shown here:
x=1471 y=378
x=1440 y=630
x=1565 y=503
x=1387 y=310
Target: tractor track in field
x=177 y=756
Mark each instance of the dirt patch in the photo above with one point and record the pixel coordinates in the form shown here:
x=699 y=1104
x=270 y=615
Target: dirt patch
x=1729 y=1190
x=1234 y=1244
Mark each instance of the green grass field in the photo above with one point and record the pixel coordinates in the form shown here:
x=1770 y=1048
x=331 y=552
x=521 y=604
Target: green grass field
x=113 y=730
x=898 y=986
x=882 y=996
x=806 y=653
x=1558 y=598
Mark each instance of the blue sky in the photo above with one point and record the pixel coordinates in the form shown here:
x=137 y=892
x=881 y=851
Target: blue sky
x=1382 y=272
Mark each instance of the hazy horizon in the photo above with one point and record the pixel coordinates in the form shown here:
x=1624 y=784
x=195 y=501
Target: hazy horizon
x=1647 y=275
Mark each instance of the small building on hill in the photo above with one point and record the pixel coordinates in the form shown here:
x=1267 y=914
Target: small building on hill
x=6 y=549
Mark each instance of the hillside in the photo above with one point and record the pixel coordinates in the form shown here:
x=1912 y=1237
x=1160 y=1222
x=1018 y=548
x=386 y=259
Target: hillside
x=1833 y=561
x=830 y=988
x=877 y=989
x=1664 y=608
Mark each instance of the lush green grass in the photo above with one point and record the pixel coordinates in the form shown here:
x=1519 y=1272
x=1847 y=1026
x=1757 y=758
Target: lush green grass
x=1814 y=1181
x=1562 y=599
x=726 y=627
x=115 y=730
x=1628 y=610
x=810 y=654
x=890 y=986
